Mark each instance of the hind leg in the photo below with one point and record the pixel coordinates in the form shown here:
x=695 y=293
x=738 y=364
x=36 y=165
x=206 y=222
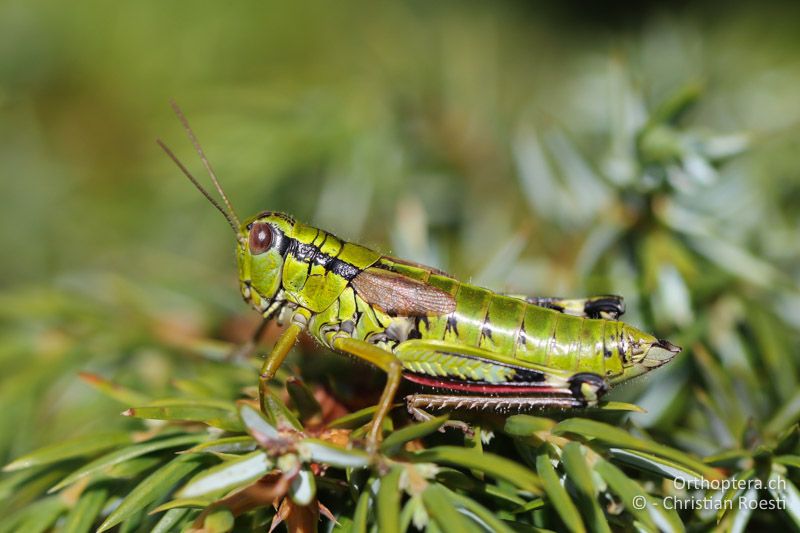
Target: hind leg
x=610 y=307
x=387 y=362
x=584 y=390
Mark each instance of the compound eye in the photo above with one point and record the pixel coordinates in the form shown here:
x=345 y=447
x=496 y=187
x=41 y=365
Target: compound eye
x=260 y=238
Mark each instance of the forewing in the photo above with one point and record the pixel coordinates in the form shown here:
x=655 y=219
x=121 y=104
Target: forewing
x=399 y=295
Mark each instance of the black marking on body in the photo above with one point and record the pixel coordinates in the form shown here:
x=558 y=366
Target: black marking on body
x=546 y=302
x=486 y=329
x=522 y=336
x=311 y=254
x=383 y=265
x=358 y=313
x=343 y=269
x=317 y=256
x=326 y=329
x=312 y=259
x=302 y=251
x=415 y=332
x=451 y=325
x=280 y=241
x=278 y=214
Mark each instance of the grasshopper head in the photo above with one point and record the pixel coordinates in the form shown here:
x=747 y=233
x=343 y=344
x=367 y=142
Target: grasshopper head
x=262 y=244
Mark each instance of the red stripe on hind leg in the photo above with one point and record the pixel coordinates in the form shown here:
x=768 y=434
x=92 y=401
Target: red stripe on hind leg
x=485 y=388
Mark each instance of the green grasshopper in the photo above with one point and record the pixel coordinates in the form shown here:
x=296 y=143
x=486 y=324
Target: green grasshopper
x=467 y=347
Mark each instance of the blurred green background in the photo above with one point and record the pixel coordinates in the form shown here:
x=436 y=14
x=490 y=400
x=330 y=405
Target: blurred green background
x=534 y=148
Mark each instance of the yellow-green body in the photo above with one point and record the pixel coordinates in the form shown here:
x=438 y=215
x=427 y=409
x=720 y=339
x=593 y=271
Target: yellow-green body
x=489 y=342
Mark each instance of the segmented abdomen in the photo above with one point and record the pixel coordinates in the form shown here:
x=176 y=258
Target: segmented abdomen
x=526 y=332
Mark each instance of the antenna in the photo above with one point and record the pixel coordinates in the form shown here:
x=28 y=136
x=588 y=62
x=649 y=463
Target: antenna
x=230 y=214
x=233 y=222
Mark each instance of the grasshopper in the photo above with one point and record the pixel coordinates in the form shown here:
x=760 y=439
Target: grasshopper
x=467 y=347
